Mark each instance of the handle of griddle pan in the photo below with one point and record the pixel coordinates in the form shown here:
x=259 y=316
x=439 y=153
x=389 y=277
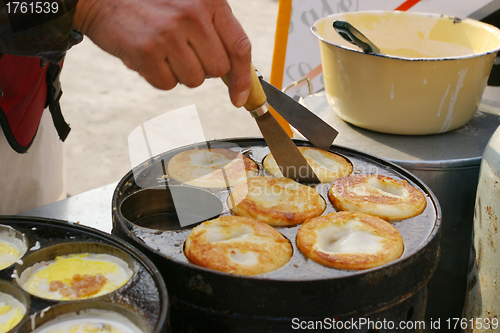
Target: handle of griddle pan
x=354 y=36
x=257 y=96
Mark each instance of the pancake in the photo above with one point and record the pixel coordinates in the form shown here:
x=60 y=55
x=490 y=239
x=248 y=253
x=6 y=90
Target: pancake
x=11 y=312
x=75 y=276
x=202 y=167
x=237 y=245
x=350 y=240
x=377 y=195
x=326 y=165
x=276 y=201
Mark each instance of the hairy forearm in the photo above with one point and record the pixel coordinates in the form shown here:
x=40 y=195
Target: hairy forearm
x=171 y=41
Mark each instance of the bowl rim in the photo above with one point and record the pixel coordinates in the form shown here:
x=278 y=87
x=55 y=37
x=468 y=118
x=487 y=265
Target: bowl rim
x=357 y=50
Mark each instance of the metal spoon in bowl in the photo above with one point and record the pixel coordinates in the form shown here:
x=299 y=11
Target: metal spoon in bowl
x=354 y=36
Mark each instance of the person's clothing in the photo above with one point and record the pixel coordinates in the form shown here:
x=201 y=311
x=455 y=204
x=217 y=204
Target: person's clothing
x=28 y=83
x=45 y=36
x=36 y=178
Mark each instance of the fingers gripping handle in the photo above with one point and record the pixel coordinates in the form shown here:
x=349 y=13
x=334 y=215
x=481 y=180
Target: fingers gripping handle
x=257 y=100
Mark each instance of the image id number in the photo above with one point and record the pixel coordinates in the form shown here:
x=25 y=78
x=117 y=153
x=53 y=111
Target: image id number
x=38 y=7
x=473 y=323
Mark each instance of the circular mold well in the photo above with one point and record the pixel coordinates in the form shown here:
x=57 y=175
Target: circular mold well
x=97 y=314
x=170 y=207
x=99 y=253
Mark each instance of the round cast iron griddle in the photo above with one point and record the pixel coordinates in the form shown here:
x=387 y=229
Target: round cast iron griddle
x=301 y=287
x=145 y=294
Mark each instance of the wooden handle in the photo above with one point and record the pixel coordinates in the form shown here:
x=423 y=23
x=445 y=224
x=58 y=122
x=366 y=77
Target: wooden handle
x=257 y=96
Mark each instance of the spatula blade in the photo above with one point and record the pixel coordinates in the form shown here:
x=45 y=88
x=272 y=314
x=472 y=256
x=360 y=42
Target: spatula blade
x=288 y=157
x=312 y=127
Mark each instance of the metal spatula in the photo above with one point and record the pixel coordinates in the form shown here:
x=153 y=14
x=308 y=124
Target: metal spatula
x=288 y=157
x=312 y=127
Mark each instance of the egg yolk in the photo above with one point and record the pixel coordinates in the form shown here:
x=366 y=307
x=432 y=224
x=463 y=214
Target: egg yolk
x=9 y=317
x=8 y=255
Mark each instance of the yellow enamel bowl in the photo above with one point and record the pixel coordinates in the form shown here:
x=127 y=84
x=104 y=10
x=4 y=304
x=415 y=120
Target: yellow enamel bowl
x=429 y=78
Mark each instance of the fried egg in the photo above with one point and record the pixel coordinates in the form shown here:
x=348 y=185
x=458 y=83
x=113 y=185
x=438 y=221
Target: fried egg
x=10 y=252
x=76 y=276
x=89 y=322
x=11 y=312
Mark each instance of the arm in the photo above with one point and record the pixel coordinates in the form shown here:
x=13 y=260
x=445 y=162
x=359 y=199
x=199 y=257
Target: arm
x=171 y=41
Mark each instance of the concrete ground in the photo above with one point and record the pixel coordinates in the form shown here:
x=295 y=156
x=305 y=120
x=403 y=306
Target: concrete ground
x=104 y=101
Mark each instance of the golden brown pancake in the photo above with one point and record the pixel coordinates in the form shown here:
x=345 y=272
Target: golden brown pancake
x=349 y=240
x=204 y=167
x=326 y=165
x=237 y=245
x=276 y=201
x=377 y=195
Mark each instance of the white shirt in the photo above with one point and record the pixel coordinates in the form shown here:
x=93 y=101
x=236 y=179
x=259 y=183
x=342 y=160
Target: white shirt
x=35 y=178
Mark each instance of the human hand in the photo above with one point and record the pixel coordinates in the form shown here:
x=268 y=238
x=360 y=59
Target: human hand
x=171 y=41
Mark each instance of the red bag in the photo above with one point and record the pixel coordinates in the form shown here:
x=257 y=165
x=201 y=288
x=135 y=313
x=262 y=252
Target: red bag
x=28 y=85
